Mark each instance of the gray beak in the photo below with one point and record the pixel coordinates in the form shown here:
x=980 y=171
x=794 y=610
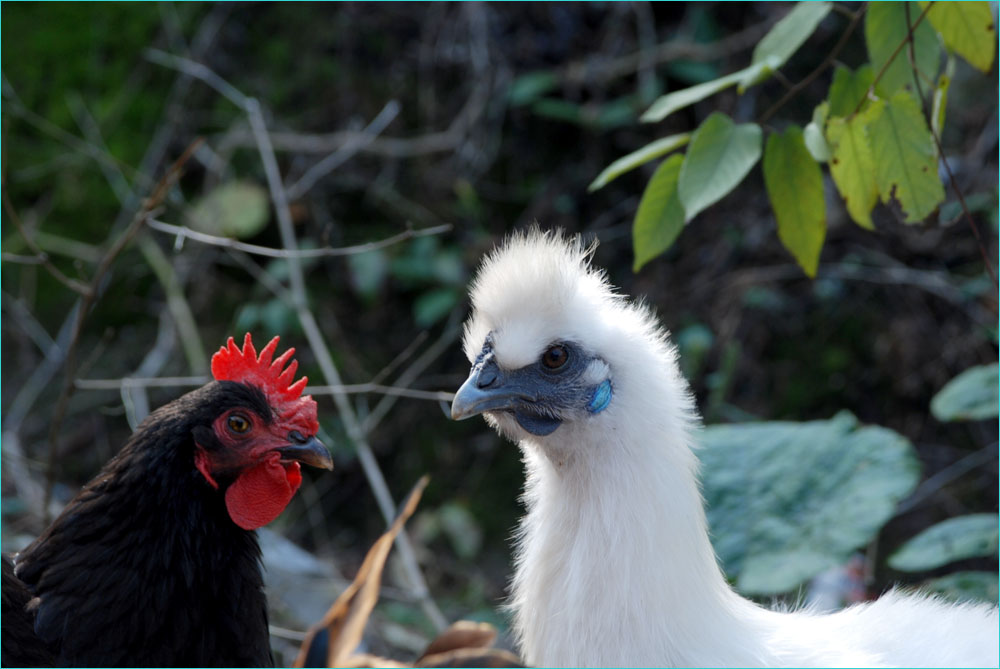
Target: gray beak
x=311 y=452
x=483 y=391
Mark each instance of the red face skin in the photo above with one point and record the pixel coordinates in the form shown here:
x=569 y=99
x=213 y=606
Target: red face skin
x=265 y=484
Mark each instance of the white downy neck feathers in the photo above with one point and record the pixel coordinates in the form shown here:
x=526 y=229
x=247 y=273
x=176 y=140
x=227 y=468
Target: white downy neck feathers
x=614 y=566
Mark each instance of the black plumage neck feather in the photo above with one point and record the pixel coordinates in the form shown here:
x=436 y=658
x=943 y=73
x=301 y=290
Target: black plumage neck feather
x=145 y=567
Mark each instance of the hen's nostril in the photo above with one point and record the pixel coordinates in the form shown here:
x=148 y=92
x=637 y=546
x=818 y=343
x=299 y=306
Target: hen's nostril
x=297 y=437
x=487 y=376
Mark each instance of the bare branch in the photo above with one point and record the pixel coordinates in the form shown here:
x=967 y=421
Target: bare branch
x=183 y=232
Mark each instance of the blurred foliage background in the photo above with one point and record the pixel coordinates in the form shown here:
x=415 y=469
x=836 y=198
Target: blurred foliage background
x=468 y=120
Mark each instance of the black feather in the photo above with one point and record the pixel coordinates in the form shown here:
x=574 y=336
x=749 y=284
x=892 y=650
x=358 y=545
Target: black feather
x=144 y=567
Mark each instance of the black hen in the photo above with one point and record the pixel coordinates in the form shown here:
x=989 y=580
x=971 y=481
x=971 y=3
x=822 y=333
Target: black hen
x=155 y=562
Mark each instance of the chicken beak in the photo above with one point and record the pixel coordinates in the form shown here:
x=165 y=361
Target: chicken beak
x=311 y=452
x=473 y=399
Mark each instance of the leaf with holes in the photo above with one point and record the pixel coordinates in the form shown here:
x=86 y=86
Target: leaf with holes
x=972 y=395
x=794 y=185
x=967 y=29
x=848 y=89
x=954 y=539
x=905 y=157
x=651 y=151
x=786 y=501
x=885 y=30
x=720 y=155
x=784 y=39
x=852 y=167
x=660 y=216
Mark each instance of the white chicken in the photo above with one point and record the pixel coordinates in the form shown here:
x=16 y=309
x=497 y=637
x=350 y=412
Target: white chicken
x=614 y=566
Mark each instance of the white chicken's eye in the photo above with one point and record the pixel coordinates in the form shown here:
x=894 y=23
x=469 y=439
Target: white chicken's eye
x=555 y=357
x=238 y=423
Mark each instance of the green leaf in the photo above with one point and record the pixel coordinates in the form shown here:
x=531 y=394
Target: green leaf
x=972 y=395
x=720 y=155
x=784 y=39
x=237 y=209
x=813 y=134
x=905 y=157
x=795 y=187
x=786 y=501
x=660 y=216
x=671 y=102
x=886 y=29
x=529 y=87
x=967 y=29
x=965 y=586
x=434 y=305
x=848 y=89
x=639 y=157
x=960 y=538
x=853 y=168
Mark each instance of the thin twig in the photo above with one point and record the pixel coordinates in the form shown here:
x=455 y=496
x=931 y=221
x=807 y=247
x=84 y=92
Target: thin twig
x=76 y=286
x=827 y=62
x=87 y=301
x=885 y=66
x=389 y=112
x=182 y=232
x=950 y=473
x=944 y=161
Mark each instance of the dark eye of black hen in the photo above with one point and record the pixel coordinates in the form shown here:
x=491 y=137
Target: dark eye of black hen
x=555 y=357
x=238 y=423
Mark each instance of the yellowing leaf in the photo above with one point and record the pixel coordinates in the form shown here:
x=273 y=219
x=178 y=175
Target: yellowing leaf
x=904 y=155
x=848 y=89
x=967 y=29
x=795 y=186
x=720 y=155
x=660 y=216
x=784 y=39
x=885 y=30
x=852 y=167
x=639 y=157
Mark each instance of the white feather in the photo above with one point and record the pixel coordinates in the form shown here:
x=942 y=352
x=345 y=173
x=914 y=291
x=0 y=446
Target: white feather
x=614 y=566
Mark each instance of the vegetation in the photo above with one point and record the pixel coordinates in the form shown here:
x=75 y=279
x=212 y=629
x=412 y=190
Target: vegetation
x=357 y=161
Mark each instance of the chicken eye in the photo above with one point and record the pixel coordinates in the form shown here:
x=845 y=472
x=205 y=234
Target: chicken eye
x=238 y=424
x=555 y=357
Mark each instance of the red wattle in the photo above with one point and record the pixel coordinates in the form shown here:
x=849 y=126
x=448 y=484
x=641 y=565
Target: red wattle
x=261 y=493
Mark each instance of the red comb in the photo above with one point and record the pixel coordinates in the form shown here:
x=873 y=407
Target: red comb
x=232 y=364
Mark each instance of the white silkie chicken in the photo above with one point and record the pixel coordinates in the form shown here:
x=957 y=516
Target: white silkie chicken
x=614 y=566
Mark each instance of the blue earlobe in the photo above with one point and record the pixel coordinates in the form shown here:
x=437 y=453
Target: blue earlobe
x=602 y=397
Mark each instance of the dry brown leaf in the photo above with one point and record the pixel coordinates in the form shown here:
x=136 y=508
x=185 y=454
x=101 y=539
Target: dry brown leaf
x=347 y=618
x=461 y=634
x=471 y=657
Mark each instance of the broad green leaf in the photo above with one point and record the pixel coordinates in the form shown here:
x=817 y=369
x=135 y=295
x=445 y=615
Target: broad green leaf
x=639 y=157
x=784 y=39
x=434 y=305
x=795 y=187
x=853 y=168
x=967 y=29
x=965 y=586
x=975 y=535
x=905 y=157
x=671 y=102
x=848 y=89
x=786 y=501
x=885 y=30
x=237 y=209
x=972 y=395
x=720 y=155
x=813 y=134
x=660 y=216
